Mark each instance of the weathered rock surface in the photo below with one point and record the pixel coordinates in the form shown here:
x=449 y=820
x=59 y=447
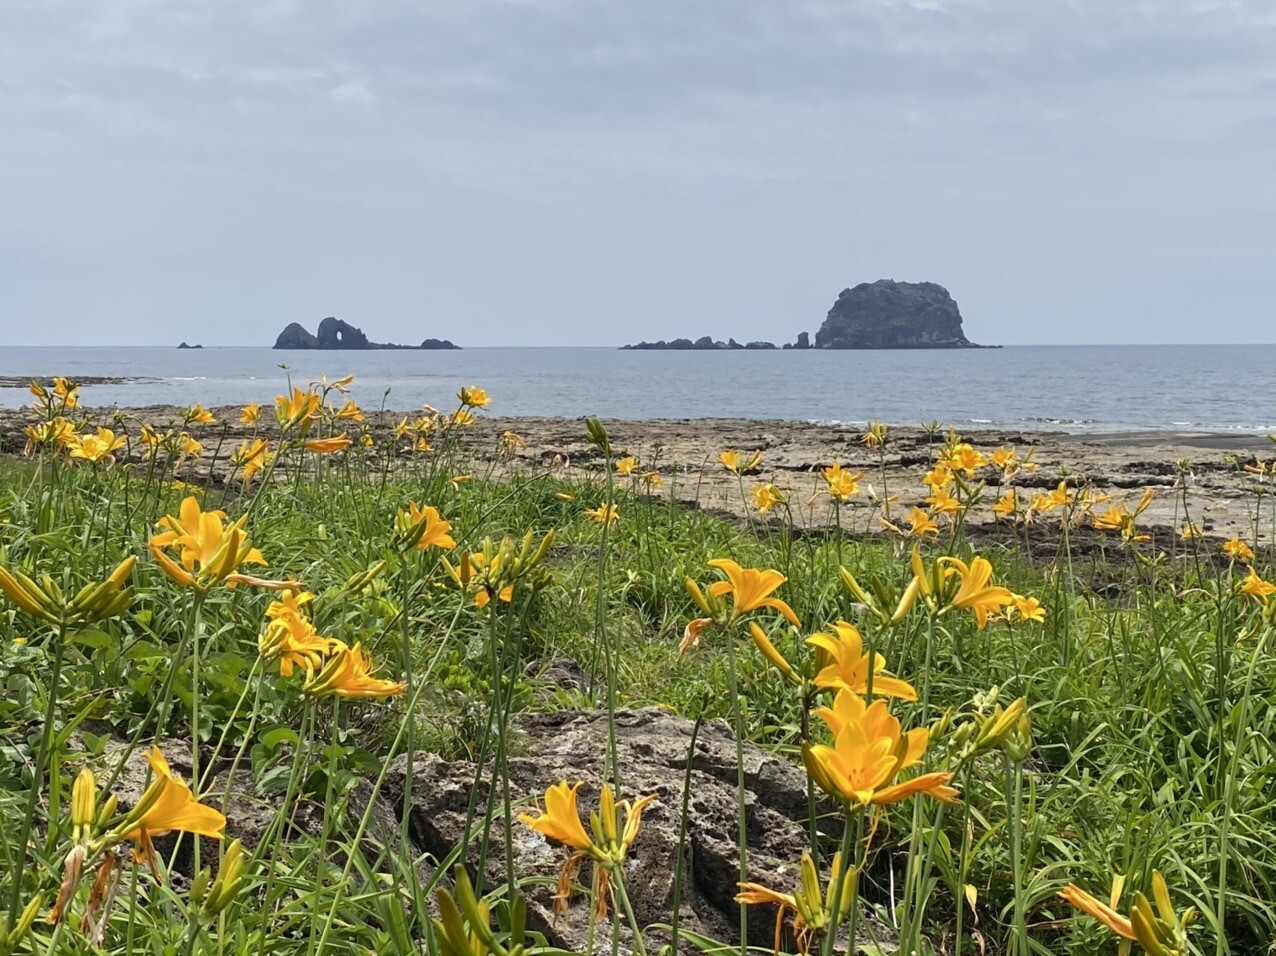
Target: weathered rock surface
x=803 y=341
x=893 y=315
x=652 y=749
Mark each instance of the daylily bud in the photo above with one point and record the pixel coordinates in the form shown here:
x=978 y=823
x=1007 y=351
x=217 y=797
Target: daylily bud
x=10 y=938
x=697 y=595
x=200 y=886
x=1001 y=724
x=855 y=587
x=230 y=879
x=907 y=600
x=763 y=644
x=83 y=804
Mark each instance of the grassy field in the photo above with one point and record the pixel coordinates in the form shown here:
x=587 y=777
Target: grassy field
x=1070 y=754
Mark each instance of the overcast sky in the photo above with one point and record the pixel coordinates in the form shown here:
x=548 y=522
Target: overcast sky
x=589 y=172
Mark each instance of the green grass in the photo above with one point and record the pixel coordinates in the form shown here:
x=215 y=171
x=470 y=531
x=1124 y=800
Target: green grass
x=1148 y=686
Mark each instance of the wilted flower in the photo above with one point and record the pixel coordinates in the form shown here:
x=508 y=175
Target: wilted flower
x=607 y=848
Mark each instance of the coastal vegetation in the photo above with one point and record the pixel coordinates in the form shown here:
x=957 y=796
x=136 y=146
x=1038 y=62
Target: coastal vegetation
x=345 y=686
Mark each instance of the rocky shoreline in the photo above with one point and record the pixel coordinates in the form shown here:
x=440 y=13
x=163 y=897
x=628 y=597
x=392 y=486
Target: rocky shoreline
x=684 y=452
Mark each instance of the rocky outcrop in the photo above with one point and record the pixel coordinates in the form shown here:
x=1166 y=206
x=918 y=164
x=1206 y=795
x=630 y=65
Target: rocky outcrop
x=335 y=333
x=704 y=343
x=652 y=749
x=338 y=334
x=893 y=315
x=803 y=341
x=295 y=336
x=185 y=346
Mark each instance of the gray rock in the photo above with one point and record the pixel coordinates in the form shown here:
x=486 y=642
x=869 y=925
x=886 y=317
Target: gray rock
x=652 y=749
x=295 y=336
x=335 y=333
x=893 y=315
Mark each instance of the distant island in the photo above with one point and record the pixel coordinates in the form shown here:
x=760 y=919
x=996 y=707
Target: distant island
x=704 y=343
x=335 y=334
x=873 y=315
x=185 y=346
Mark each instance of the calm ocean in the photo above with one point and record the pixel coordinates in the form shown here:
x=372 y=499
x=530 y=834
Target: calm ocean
x=1077 y=388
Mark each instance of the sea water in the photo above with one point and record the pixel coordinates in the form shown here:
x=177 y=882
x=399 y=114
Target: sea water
x=1073 y=388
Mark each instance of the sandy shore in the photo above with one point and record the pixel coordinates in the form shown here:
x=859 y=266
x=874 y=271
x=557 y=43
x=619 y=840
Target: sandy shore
x=1219 y=493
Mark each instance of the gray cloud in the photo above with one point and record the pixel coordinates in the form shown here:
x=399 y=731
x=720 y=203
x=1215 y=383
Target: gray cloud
x=591 y=171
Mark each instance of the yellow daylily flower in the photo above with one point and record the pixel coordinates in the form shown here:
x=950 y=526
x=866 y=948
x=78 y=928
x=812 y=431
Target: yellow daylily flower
x=96 y=447
x=57 y=433
x=168 y=804
x=250 y=414
x=812 y=909
x=1255 y=586
x=1237 y=550
x=626 y=466
x=920 y=524
x=844 y=665
x=251 y=457
x=197 y=414
x=292 y=640
x=733 y=462
x=328 y=446
x=209 y=551
x=750 y=590
x=425 y=528
x=841 y=483
x=603 y=514
x=765 y=497
x=350 y=412
x=474 y=397
x=1007 y=506
x=867 y=755
x=1027 y=608
x=297 y=410
x=187 y=445
x=875 y=435
x=607 y=847
x=349 y=674
x=975 y=593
